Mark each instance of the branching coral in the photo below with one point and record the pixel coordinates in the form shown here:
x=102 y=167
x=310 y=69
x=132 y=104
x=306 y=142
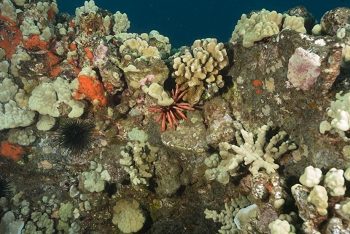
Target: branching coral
x=257 y=153
x=256 y=27
x=340 y=112
x=226 y=217
x=322 y=200
x=197 y=70
x=264 y=24
x=137 y=160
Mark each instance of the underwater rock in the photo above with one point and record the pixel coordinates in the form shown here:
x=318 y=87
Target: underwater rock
x=217 y=115
x=189 y=135
x=168 y=176
x=334 y=19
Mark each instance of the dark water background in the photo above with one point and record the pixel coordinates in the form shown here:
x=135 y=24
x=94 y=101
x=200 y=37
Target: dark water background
x=184 y=21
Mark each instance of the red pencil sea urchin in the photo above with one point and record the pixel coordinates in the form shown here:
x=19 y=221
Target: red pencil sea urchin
x=172 y=112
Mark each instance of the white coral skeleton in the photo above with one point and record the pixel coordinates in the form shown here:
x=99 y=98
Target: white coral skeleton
x=258 y=153
x=253 y=152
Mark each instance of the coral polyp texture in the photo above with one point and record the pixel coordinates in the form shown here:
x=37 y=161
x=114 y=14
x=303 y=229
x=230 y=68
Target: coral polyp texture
x=264 y=24
x=138 y=161
x=340 y=112
x=104 y=130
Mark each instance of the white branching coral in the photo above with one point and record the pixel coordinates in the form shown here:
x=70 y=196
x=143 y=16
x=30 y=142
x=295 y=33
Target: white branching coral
x=264 y=23
x=89 y=6
x=226 y=217
x=258 y=153
x=281 y=227
x=318 y=194
x=138 y=159
x=318 y=197
x=121 y=22
x=256 y=27
x=340 y=112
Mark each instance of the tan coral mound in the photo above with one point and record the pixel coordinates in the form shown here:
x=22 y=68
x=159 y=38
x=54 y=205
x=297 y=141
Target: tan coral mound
x=198 y=69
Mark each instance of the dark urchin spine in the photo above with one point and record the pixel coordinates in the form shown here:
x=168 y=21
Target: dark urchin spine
x=5 y=187
x=75 y=135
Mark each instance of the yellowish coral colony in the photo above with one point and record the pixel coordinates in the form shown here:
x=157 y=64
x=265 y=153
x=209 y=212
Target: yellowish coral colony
x=257 y=127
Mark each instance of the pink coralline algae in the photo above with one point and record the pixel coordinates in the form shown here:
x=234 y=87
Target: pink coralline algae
x=147 y=80
x=100 y=55
x=303 y=69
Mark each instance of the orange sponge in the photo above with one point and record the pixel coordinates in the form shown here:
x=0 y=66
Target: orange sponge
x=91 y=89
x=12 y=151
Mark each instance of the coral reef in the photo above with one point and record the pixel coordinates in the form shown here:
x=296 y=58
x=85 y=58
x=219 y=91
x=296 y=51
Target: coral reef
x=81 y=152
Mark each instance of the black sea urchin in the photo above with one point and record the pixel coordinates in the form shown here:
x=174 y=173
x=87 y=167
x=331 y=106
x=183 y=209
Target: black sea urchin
x=75 y=136
x=5 y=187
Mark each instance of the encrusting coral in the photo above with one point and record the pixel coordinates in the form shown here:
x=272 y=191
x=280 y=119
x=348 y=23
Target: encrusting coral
x=12 y=151
x=87 y=86
x=303 y=68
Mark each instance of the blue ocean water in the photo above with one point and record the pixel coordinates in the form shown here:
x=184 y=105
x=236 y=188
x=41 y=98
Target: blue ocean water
x=184 y=21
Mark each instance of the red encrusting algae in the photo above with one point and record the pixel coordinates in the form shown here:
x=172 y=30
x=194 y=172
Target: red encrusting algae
x=10 y=35
x=12 y=151
x=35 y=43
